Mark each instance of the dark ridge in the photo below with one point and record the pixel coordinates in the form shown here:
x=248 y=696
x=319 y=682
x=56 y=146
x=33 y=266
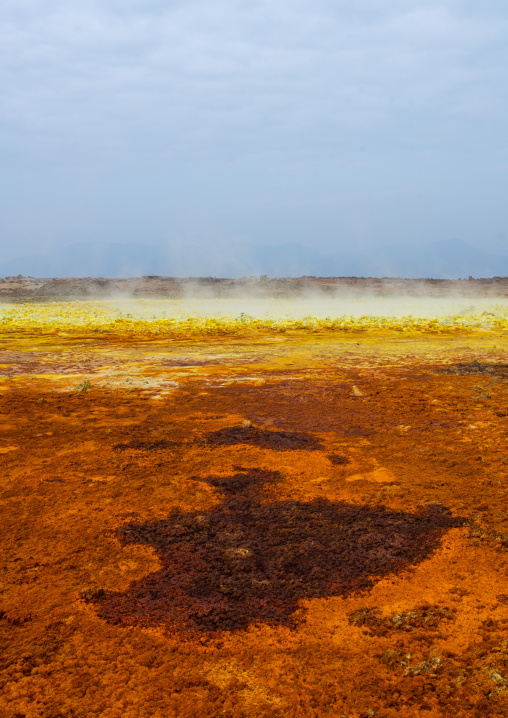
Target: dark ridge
x=264 y=438
x=246 y=561
x=145 y=445
x=476 y=367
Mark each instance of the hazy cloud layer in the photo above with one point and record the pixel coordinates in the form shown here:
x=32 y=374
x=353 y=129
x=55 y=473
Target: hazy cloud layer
x=322 y=122
x=451 y=259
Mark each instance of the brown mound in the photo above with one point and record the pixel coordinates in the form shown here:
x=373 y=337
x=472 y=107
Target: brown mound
x=246 y=561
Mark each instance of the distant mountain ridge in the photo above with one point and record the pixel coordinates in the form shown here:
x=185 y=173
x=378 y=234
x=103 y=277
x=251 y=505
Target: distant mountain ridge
x=446 y=259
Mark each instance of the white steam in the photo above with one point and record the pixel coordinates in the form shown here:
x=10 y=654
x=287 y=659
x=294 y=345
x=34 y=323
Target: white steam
x=319 y=306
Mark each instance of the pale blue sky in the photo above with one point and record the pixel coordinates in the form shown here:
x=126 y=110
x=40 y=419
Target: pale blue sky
x=327 y=123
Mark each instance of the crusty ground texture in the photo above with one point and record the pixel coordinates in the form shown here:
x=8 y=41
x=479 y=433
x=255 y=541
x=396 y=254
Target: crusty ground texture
x=306 y=524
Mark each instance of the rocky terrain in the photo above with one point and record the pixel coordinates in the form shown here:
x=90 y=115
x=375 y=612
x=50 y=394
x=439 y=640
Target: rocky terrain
x=19 y=287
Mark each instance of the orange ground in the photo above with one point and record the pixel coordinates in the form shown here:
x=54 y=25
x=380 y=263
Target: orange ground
x=115 y=601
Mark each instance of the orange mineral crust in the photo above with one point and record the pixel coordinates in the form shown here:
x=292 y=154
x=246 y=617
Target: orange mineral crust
x=306 y=523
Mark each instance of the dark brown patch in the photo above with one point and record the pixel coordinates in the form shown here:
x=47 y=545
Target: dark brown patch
x=246 y=561
x=17 y=620
x=476 y=367
x=90 y=594
x=339 y=460
x=158 y=445
x=425 y=617
x=264 y=438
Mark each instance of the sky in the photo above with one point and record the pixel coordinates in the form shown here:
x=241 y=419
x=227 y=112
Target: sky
x=327 y=123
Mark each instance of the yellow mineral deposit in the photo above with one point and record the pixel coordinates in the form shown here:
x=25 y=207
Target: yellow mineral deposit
x=208 y=317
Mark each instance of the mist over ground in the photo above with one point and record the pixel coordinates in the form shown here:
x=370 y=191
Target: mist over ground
x=309 y=304
x=449 y=259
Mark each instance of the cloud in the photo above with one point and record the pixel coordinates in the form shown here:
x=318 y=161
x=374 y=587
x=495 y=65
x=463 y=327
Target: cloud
x=252 y=121
x=226 y=76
